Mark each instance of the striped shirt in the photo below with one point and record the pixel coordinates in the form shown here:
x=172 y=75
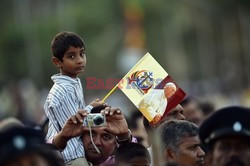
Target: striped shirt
x=64 y=100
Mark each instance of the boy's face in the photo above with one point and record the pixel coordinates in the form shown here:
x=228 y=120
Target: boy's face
x=73 y=62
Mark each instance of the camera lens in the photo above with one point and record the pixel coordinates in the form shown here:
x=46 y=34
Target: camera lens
x=98 y=120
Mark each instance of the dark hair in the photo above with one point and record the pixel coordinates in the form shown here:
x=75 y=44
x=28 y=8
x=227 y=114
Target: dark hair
x=188 y=100
x=147 y=125
x=62 y=41
x=172 y=132
x=19 y=142
x=135 y=115
x=45 y=125
x=207 y=108
x=128 y=151
x=98 y=109
x=49 y=155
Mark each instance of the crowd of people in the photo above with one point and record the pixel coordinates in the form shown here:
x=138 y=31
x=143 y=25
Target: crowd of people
x=99 y=134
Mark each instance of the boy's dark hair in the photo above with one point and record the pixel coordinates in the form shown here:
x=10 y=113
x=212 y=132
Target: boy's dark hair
x=128 y=151
x=62 y=41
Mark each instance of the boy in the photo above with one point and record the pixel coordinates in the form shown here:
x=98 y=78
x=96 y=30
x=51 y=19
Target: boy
x=132 y=154
x=66 y=96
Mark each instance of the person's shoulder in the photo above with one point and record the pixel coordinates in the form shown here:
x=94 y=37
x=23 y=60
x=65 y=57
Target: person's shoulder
x=63 y=83
x=59 y=89
x=56 y=94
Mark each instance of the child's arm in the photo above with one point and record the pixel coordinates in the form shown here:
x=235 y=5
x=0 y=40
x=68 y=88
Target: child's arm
x=72 y=128
x=95 y=103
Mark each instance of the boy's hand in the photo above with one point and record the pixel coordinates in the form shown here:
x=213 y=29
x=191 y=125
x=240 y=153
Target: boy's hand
x=97 y=102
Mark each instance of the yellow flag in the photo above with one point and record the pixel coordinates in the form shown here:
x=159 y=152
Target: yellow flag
x=151 y=89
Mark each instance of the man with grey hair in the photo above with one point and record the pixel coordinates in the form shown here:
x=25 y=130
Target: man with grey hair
x=181 y=143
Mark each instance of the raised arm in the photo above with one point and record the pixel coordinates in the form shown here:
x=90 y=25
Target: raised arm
x=72 y=128
x=117 y=124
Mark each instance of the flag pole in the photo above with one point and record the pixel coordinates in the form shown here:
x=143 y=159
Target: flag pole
x=109 y=93
x=147 y=54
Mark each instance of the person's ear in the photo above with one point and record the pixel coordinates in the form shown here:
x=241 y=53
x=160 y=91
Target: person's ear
x=169 y=155
x=56 y=62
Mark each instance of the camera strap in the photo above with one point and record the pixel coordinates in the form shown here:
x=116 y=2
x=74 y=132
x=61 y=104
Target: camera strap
x=91 y=138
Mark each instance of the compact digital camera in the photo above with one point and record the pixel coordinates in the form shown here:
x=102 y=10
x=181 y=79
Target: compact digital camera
x=95 y=120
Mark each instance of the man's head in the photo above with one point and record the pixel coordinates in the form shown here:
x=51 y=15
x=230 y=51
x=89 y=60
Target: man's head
x=227 y=134
x=169 y=90
x=26 y=147
x=105 y=142
x=103 y=139
x=181 y=143
x=137 y=128
x=192 y=110
x=9 y=123
x=132 y=154
x=175 y=113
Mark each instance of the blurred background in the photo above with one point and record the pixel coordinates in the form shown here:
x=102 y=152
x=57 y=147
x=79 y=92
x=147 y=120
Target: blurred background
x=203 y=45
